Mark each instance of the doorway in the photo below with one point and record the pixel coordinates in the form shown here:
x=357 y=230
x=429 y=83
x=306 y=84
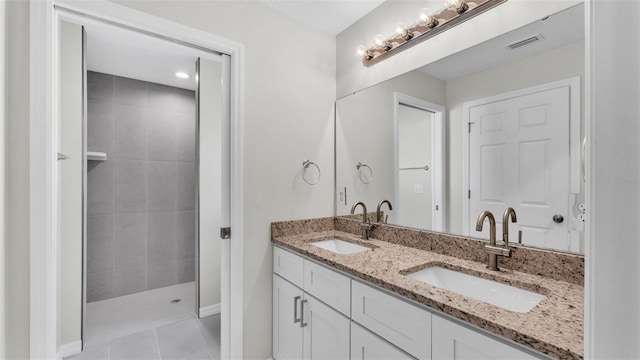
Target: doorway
x=418 y=175
x=148 y=226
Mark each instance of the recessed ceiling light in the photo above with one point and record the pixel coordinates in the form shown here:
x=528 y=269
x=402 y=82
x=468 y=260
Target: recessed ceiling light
x=182 y=75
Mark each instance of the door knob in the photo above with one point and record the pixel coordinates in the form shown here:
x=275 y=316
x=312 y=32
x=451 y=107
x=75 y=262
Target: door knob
x=558 y=218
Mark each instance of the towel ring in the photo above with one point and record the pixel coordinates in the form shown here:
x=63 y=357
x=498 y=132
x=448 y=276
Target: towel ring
x=305 y=165
x=362 y=173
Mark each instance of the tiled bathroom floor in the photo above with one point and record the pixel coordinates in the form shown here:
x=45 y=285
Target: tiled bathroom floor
x=147 y=326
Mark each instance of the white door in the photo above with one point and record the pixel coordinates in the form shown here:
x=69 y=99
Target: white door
x=415 y=199
x=71 y=183
x=325 y=331
x=519 y=157
x=212 y=196
x=287 y=332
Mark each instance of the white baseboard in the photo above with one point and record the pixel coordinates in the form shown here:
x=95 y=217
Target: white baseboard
x=209 y=310
x=69 y=349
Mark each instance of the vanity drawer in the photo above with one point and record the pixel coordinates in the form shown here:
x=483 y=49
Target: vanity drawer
x=402 y=324
x=330 y=287
x=365 y=345
x=288 y=265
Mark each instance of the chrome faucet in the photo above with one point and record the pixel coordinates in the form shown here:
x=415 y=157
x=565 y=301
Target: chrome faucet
x=365 y=226
x=492 y=249
x=509 y=212
x=379 y=213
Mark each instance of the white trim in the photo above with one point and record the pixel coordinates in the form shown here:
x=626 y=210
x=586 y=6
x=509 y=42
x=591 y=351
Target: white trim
x=574 y=136
x=69 y=349
x=437 y=154
x=209 y=310
x=43 y=118
x=590 y=226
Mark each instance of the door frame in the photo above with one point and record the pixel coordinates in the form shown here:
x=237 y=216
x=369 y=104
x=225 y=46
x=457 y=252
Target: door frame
x=437 y=154
x=575 y=156
x=43 y=118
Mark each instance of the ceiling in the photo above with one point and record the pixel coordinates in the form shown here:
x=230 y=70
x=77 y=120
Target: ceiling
x=559 y=29
x=331 y=16
x=117 y=51
x=121 y=52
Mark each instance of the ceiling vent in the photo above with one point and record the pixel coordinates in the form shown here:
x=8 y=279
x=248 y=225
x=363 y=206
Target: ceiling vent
x=527 y=41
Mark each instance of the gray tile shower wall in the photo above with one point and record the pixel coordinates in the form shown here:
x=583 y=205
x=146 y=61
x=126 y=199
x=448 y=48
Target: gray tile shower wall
x=141 y=201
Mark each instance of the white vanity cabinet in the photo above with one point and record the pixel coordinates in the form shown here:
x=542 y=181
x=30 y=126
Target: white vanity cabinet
x=320 y=313
x=454 y=341
x=305 y=327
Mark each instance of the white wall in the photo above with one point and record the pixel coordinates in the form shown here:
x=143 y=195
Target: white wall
x=613 y=190
x=558 y=64
x=3 y=239
x=17 y=181
x=353 y=76
x=364 y=123
x=289 y=90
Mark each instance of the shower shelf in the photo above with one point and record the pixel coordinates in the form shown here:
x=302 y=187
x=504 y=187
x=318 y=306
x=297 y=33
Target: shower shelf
x=96 y=156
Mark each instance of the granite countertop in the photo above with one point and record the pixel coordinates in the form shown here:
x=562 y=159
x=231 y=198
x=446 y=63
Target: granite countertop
x=553 y=327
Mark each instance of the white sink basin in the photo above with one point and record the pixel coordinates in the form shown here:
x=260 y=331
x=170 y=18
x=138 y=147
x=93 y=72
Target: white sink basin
x=504 y=296
x=340 y=246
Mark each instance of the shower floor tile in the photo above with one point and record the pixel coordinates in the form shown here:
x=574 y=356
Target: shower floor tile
x=125 y=315
x=148 y=326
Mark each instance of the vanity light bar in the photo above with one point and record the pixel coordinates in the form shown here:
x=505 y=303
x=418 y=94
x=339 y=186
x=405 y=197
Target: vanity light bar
x=457 y=12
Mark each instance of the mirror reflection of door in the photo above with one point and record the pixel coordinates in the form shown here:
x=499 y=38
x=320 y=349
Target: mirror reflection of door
x=419 y=162
x=415 y=178
x=519 y=156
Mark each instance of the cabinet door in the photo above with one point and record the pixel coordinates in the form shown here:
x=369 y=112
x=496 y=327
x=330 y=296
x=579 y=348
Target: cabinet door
x=365 y=346
x=326 y=331
x=453 y=341
x=287 y=333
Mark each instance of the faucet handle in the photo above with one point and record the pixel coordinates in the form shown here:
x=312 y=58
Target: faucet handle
x=498 y=250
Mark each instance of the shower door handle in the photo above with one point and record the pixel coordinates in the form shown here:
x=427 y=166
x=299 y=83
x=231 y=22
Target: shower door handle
x=62 y=156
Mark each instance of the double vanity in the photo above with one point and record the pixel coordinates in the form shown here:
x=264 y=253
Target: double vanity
x=405 y=294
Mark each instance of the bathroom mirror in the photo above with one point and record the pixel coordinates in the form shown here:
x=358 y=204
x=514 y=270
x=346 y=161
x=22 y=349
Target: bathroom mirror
x=494 y=126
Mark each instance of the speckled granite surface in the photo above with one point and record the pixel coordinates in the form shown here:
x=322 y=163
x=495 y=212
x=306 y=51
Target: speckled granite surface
x=554 y=327
x=552 y=264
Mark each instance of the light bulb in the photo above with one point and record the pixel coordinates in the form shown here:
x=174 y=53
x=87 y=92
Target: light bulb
x=401 y=29
x=182 y=75
x=425 y=18
x=458 y=5
x=363 y=53
x=382 y=42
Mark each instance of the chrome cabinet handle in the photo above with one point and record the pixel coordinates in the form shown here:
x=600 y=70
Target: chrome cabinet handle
x=302 y=323
x=295 y=309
